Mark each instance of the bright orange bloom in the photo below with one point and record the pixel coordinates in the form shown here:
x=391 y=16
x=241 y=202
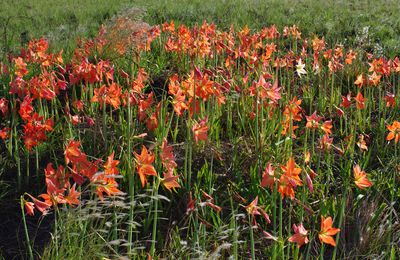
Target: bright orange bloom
x=200 y=130
x=290 y=179
x=350 y=56
x=360 y=178
x=170 y=180
x=106 y=185
x=360 y=101
x=144 y=167
x=73 y=196
x=327 y=231
x=291 y=172
x=394 y=132
x=327 y=127
x=73 y=153
x=110 y=168
x=300 y=236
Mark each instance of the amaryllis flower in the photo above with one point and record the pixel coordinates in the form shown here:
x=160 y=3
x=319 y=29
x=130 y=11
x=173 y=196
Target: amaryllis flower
x=360 y=101
x=327 y=127
x=346 y=101
x=300 y=236
x=313 y=120
x=200 y=130
x=268 y=177
x=73 y=196
x=144 y=167
x=300 y=68
x=327 y=231
x=253 y=209
x=359 y=81
x=4 y=106
x=360 y=178
x=290 y=179
x=394 y=132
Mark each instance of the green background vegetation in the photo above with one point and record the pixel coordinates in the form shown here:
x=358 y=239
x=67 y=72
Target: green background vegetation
x=373 y=24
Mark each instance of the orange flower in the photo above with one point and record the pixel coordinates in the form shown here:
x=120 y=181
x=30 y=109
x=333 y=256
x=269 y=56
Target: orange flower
x=29 y=208
x=394 y=132
x=170 y=180
x=300 y=236
x=73 y=154
x=73 y=196
x=110 y=168
x=327 y=127
x=290 y=179
x=360 y=178
x=291 y=172
x=200 y=130
x=327 y=231
x=360 y=101
x=144 y=167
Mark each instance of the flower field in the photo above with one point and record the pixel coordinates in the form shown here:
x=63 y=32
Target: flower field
x=177 y=141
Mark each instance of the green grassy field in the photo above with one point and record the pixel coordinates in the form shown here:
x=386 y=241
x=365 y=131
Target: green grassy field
x=371 y=24
x=189 y=141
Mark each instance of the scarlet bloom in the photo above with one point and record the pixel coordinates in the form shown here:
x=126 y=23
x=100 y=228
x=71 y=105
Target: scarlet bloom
x=144 y=167
x=360 y=101
x=327 y=231
x=394 y=132
x=300 y=236
x=390 y=100
x=200 y=130
x=360 y=178
x=346 y=101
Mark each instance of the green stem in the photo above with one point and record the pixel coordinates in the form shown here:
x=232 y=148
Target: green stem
x=26 y=229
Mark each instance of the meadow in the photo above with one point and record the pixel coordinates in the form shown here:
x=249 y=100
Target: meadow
x=200 y=130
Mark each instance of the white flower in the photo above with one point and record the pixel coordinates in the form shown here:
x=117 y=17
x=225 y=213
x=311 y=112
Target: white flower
x=300 y=68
